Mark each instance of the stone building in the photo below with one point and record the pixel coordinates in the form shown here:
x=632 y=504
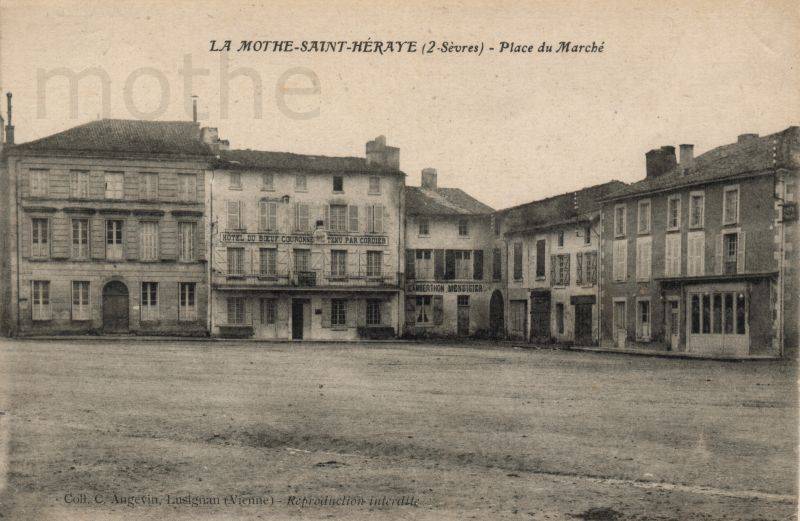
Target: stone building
x=553 y=263
x=701 y=255
x=307 y=247
x=104 y=230
x=454 y=263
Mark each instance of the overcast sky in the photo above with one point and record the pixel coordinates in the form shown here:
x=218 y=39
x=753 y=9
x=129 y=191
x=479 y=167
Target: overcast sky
x=505 y=128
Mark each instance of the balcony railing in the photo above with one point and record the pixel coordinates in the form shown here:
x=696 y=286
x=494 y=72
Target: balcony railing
x=305 y=279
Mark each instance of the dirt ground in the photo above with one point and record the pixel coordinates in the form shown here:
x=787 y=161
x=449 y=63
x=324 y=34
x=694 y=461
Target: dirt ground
x=107 y=430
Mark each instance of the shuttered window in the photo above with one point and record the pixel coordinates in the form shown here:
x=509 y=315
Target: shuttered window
x=235 y=261
x=620 y=259
x=148 y=240
x=79 y=184
x=233 y=215
x=39 y=182
x=672 y=261
x=375 y=218
x=149 y=304
x=697 y=203
x=695 y=260
x=187 y=308
x=730 y=205
x=186 y=233
x=338 y=216
x=374 y=263
x=80 y=238
x=40 y=238
x=268 y=266
x=149 y=186
x=114 y=181
x=187 y=188
x=40 y=300
x=301 y=217
x=80 y=300
x=114 y=239
x=517 y=261
x=236 y=310
x=338 y=263
x=268 y=216
x=338 y=312
x=643 y=258
x=497 y=264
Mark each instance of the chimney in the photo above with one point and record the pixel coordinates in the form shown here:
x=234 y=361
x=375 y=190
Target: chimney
x=743 y=138
x=668 y=161
x=194 y=108
x=210 y=136
x=659 y=161
x=429 y=178
x=10 y=126
x=687 y=157
x=377 y=153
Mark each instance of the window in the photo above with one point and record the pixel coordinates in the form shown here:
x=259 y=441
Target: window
x=424 y=226
x=730 y=243
x=674 y=213
x=80 y=238
x=643 y=320
x=40 y=301
x=302 y=260
x=672 y=261
x=268 y=311
x=423 y=267
x=730 y=205
x=236 y=311
x=353 y=218
x=559 y=267
x=620 y=260
x=338 y=183
x=114 y=239
x=268 y=262
x=375 y=218
x=706 y=314
x=718 y=313
x=187 y=301
x=424 y=314
x=517 y=261
x=695 y=316
x=268 y=181
x=373 y=312
x=114 y=181
x=149 y=304
x=301 y=217
x=235 y=180
x=463 y=228
x=235 y=262
x=374 y=263
x=587 y=234
x=374 y=185
x=497 y=264
x=80 y=300
x=338 y=312
x=695 y=260
x=560 y=318
x=186 y=233
x=561 y=238
x=39 y=182
x=300 y=183
x=149 y=240
x=234 y=215
x=149 y=188
x=338 y=263
x=696 y=209
x=619 y=220
x=40 y=238
x=586 y=268
x=268 y=216
x=463 y=264
x=338 y=214
x=644 y=217
x=541 y=247
x=79 y=184
x=187 y=188
x=643 y=258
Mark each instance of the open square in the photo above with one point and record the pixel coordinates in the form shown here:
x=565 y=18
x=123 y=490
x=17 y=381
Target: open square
x=109 y=429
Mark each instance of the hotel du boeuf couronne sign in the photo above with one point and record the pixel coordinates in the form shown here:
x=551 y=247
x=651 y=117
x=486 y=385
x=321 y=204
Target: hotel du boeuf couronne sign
x=316 y=238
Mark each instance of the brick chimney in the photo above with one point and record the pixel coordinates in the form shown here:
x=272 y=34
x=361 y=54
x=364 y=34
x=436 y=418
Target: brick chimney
x=377 y=153
x=742 y=138
x=659 y=161
x=429 y=179
x=210 y=136
x=10 y=125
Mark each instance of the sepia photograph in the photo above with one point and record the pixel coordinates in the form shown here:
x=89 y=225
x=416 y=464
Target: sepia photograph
x=449 y=260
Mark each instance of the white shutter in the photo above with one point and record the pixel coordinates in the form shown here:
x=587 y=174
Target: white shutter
x=353 y=214
x=719 y=255
x=740 y=254
x=378 y=215
x=262 y=216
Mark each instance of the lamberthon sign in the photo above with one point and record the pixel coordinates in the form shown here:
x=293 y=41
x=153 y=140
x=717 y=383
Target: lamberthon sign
x=447 y=287
x=268 y=238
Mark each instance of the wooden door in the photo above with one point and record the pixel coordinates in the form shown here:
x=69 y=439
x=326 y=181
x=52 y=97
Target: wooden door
x=115 y=308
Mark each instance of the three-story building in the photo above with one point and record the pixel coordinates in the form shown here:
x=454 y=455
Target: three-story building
x=307 y=247
x=106 y=230
x=701 y=255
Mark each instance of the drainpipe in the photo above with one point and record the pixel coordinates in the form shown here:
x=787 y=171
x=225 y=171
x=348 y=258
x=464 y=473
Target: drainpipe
x=210 y=255
x=17 y=232
x=599 y=275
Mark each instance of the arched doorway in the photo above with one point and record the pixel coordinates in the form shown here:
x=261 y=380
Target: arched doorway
x=496 y=319
x=115 y=307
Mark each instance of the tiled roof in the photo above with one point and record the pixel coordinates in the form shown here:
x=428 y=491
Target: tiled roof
x=757 y=154
x=443 y=201
x=559 y=209
x=260 y=159
x=124 y=136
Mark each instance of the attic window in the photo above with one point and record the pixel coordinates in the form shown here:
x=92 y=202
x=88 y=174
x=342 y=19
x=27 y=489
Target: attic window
x=338 y=183
x=463 y=228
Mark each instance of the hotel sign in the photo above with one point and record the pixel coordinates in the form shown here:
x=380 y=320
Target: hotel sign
x=446 y=287
x=269 y=238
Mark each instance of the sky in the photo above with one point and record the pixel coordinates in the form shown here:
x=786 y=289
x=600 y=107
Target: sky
x=506 y=128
